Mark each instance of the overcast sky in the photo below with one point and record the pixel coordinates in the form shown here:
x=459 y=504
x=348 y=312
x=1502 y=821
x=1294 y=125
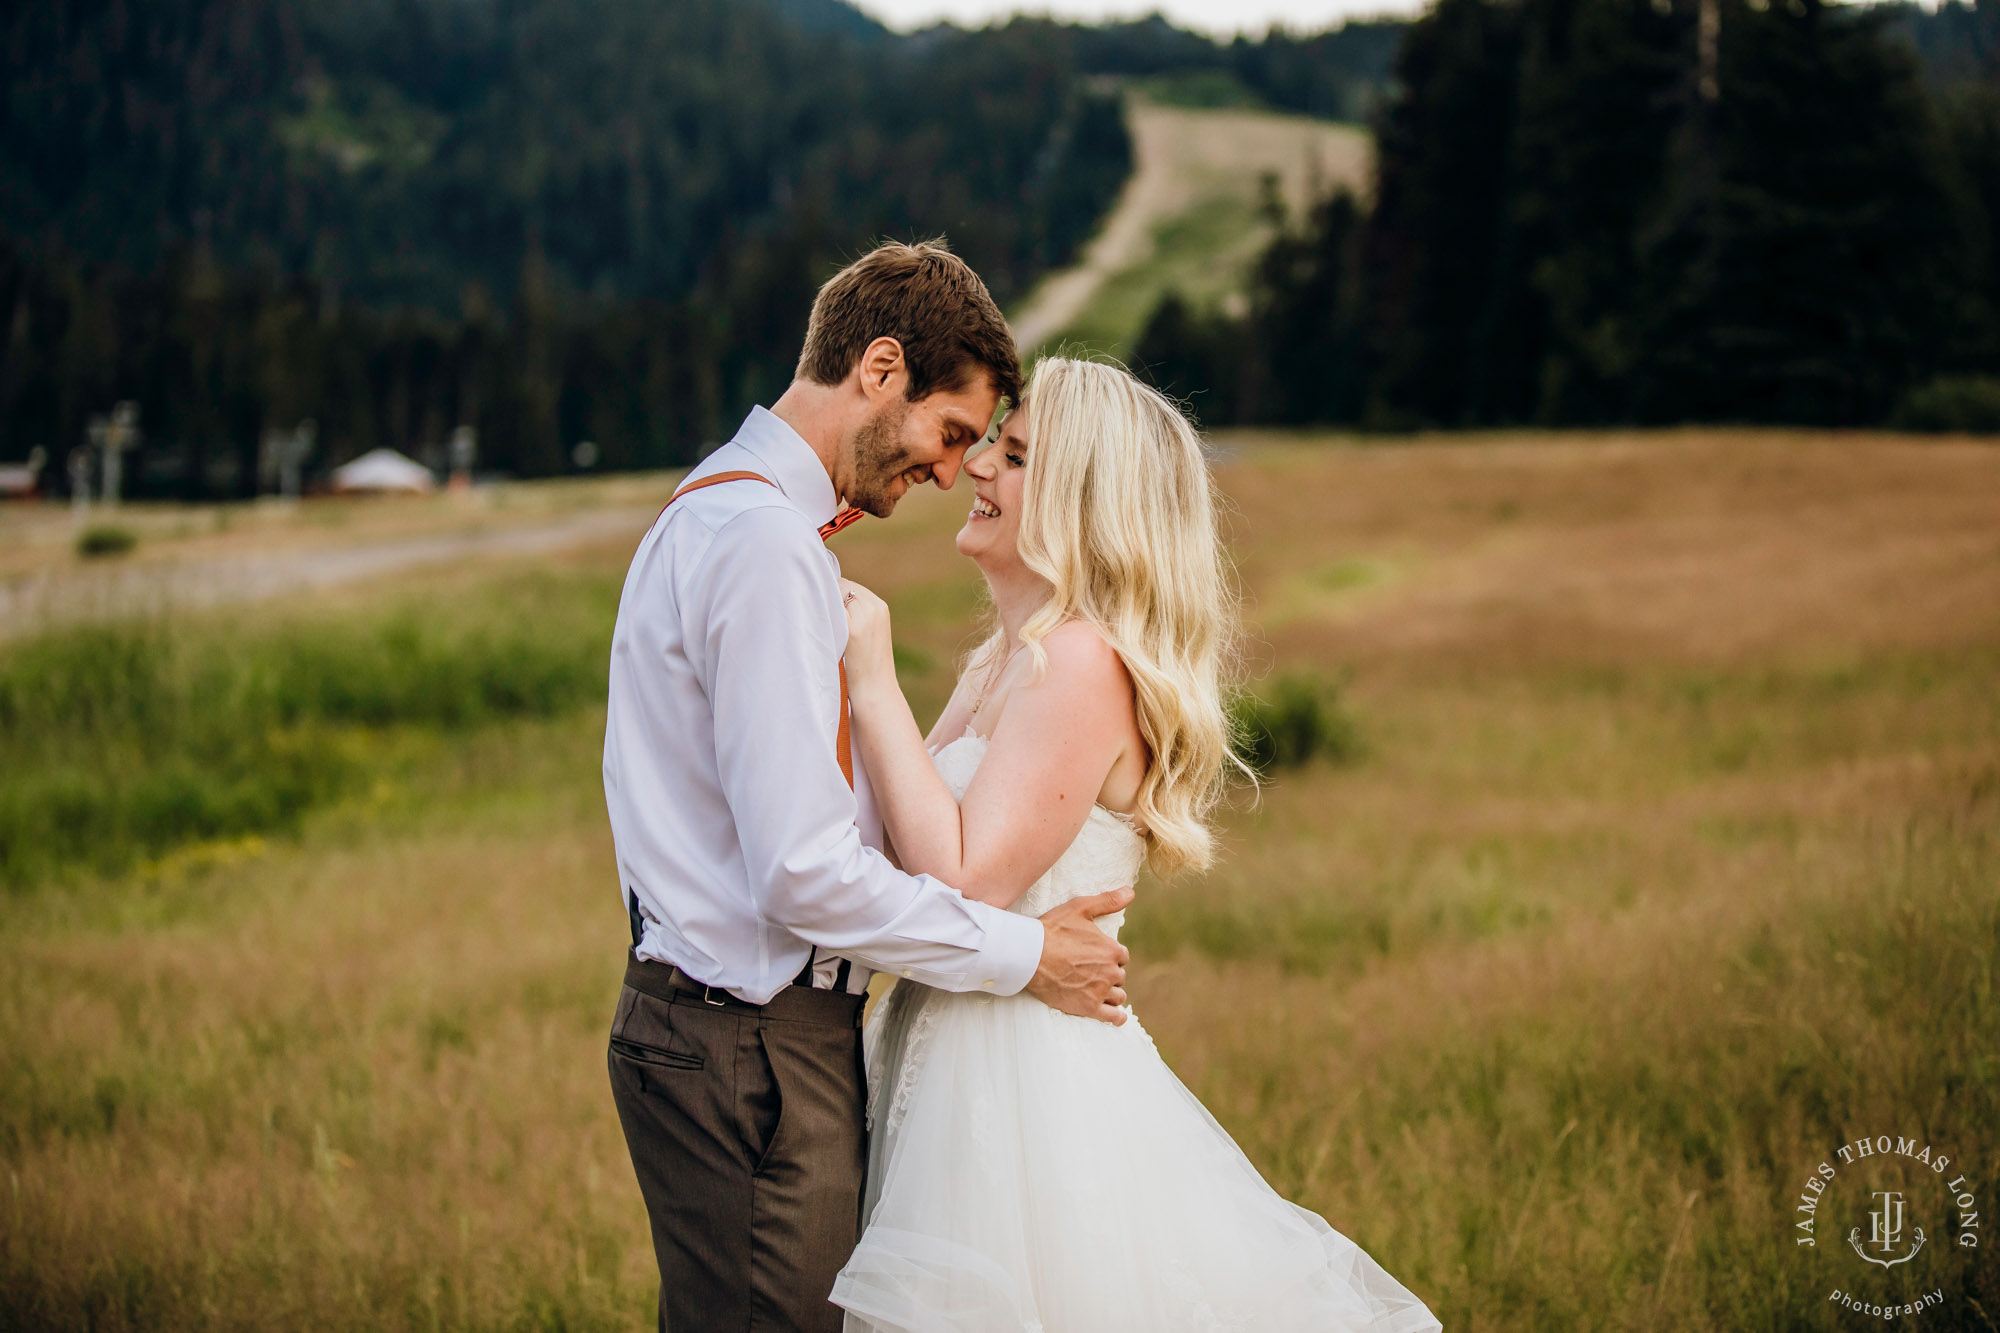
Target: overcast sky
x=1218 y=16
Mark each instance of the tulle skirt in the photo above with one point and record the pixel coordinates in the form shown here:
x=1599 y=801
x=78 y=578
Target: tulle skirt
x=1031 y=1171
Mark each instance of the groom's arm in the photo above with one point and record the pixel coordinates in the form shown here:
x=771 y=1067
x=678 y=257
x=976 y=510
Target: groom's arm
x=761 y=611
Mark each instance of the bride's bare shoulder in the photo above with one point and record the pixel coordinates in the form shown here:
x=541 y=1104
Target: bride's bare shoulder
x=1085 y=660
x=1096 y=696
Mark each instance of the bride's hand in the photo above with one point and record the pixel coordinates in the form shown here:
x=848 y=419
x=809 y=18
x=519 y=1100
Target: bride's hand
x=871 y=655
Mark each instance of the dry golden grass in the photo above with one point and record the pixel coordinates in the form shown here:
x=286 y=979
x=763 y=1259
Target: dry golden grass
x=1671 y=865
x=1712 y=546
x=338 y=1083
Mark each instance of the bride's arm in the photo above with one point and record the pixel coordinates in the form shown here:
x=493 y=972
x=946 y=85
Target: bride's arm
x=1043 y=768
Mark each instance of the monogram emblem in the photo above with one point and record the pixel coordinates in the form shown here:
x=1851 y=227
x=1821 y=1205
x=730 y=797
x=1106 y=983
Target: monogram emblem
x=1885 y=1231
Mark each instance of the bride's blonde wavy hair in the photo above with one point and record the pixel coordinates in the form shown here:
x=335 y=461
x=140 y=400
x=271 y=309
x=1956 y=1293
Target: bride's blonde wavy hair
x=1120 y=516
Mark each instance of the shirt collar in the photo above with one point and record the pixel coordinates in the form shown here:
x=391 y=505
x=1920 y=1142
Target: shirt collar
x=789 y=461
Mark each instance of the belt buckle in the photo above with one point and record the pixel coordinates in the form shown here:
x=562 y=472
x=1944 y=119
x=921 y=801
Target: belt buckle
x=719 y=1004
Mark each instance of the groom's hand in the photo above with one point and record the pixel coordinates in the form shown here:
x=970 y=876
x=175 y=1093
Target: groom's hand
x=1082 y=971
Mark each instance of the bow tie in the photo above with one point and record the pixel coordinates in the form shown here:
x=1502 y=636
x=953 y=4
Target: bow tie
x=844 y=519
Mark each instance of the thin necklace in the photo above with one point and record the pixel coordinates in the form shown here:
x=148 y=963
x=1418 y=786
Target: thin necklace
x=991 y=681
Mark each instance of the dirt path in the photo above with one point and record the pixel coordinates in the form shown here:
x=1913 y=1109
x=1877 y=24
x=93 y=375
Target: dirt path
x=1182 y=156
x=279 y=558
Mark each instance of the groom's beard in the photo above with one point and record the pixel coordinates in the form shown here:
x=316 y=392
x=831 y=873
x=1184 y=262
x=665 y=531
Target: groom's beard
x=879 y=459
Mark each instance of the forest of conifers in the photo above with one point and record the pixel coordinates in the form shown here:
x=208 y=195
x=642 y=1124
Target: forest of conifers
x=566 y=220
x=1575 y=222
x=554 y=220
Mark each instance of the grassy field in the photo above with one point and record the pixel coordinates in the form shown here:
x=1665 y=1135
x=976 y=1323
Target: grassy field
x=1664 y=862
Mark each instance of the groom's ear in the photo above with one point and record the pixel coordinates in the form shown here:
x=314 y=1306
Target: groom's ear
x=883 y=371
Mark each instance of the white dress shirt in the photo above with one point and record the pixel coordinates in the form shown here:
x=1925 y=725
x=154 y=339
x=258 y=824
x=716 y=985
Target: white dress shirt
x=736 y=834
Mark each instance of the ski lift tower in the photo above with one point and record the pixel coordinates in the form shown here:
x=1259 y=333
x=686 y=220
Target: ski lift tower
x=464 y=452
x=282 y=456
x=79 y=479
x=292 y=456
x=117 y=435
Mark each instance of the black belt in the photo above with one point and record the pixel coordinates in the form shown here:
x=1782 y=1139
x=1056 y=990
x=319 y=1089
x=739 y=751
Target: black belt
x=802 y=1004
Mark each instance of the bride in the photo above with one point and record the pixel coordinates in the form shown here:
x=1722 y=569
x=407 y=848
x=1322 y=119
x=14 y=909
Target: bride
x=1030 y=1170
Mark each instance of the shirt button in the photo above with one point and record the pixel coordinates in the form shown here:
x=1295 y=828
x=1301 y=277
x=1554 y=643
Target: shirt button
x=907 y=974
x=986 y=985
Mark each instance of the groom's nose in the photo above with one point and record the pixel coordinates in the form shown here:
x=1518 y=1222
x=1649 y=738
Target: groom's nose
x=945 y=471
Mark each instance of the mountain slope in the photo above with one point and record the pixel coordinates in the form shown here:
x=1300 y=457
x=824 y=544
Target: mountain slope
x=1192 y=218
x=554 y=221
x=404 y=150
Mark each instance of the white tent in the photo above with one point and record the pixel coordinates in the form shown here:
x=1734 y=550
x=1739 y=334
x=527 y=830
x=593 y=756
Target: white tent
x=383 y=470
x=18 y=479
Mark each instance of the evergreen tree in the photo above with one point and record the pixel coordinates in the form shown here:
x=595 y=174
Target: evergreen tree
x=1442 y=152
x=1304 y=358
x=1578 y=220
x=1815 y=285
x=1195 y=358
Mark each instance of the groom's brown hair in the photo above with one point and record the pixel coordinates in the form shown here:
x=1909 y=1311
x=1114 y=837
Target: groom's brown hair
x=927 y=299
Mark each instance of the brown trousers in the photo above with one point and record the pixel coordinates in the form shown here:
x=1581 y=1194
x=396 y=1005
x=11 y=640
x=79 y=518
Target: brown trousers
x=745 y=1127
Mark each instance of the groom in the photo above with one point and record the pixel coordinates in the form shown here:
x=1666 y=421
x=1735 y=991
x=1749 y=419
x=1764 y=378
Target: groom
x=747 y=840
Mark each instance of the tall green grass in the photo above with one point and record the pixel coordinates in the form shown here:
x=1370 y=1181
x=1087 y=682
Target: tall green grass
x=119 y=742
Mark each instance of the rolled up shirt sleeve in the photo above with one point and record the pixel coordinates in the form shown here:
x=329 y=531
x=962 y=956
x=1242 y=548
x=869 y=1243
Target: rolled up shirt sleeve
x=765 y=647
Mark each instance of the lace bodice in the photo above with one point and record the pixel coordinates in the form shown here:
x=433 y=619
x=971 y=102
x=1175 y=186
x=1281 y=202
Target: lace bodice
x=1106 y=854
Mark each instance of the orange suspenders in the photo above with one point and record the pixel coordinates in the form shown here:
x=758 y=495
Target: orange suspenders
x=843 y=744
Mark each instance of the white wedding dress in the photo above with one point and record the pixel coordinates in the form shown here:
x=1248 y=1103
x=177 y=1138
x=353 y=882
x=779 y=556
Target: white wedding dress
x=1034 y=1172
